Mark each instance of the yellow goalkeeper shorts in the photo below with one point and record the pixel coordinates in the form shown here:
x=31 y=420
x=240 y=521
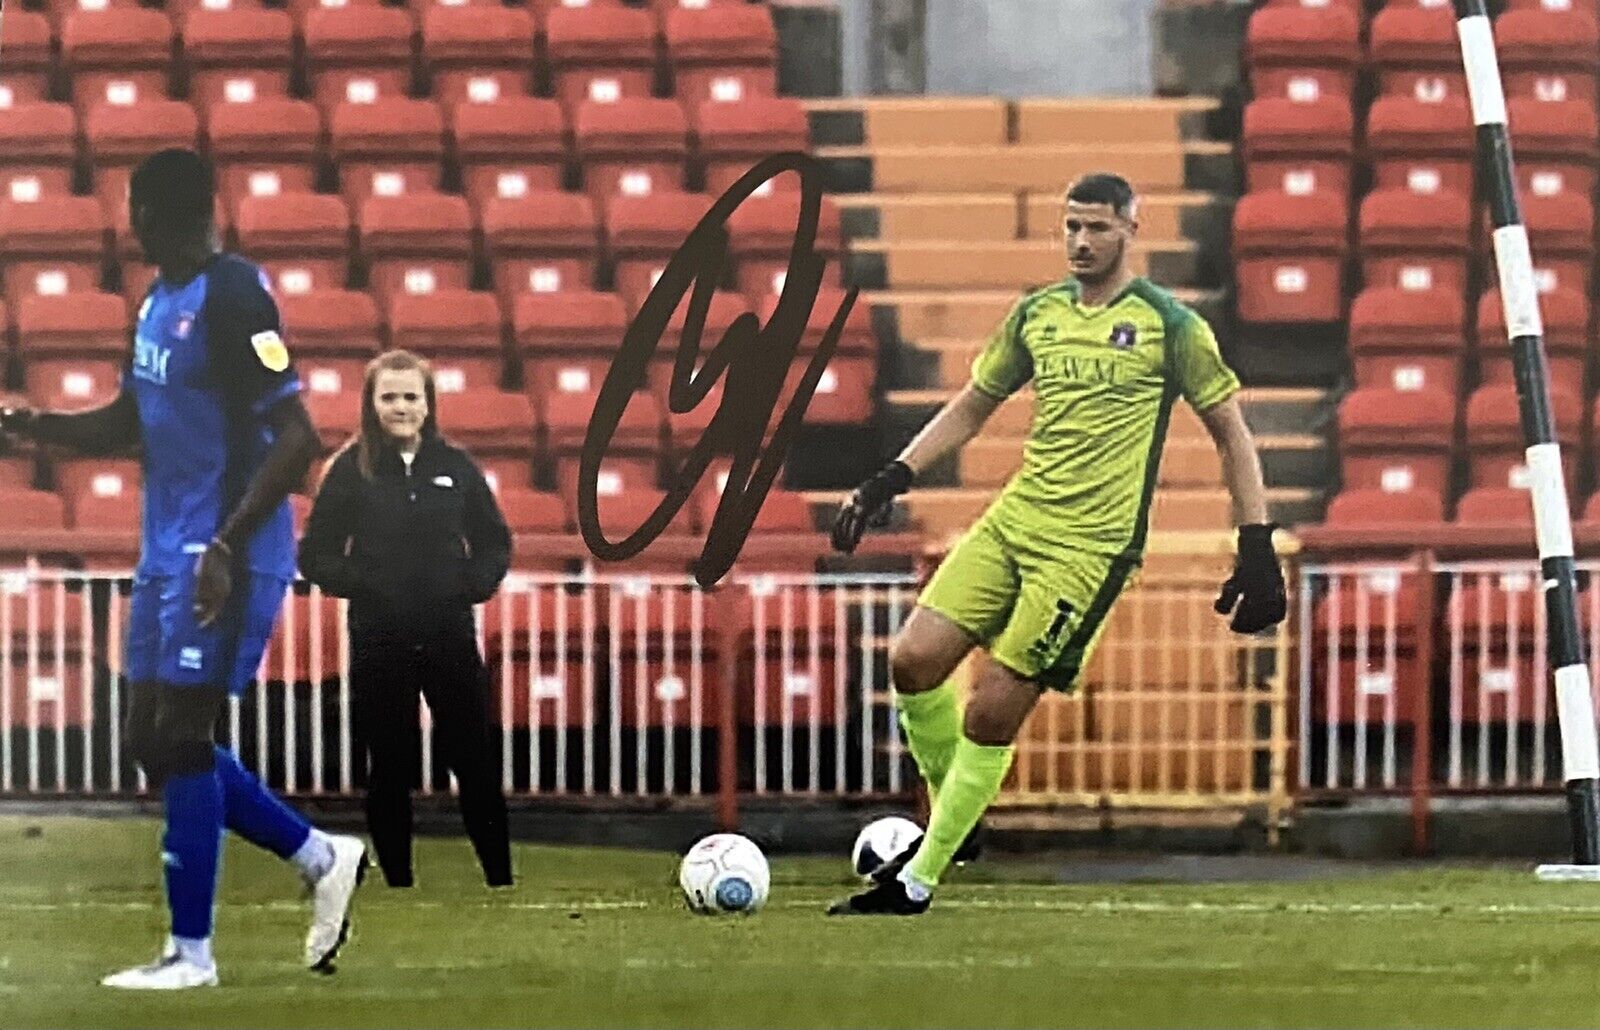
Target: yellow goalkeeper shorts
x=1039 y=610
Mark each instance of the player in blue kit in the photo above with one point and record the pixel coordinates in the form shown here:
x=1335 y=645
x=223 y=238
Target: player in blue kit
x=210 y=392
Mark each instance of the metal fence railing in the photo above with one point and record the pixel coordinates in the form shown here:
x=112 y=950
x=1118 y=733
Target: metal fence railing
x=1431 y=676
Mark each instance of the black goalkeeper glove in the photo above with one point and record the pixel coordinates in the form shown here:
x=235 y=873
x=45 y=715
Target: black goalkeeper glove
x=1256 y=584
x=870 y=505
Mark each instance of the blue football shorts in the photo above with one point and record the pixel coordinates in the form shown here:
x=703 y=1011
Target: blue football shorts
x=165 y=644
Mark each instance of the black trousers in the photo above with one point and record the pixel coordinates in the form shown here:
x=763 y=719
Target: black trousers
x=388 y=673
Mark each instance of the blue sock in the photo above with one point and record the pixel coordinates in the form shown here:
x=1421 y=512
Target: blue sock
x=192 y=850
x=255 y=813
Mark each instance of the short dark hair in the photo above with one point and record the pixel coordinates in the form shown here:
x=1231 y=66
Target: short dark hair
x=177 y=185
x=1103 y=188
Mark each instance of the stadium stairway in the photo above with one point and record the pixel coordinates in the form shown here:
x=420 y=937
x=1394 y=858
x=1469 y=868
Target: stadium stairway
x=952 y=207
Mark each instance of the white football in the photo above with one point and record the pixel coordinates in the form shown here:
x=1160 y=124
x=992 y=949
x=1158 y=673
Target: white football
x=724 y=873
x=881 y=840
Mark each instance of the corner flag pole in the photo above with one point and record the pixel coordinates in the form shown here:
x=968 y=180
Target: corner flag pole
x=1552 y=520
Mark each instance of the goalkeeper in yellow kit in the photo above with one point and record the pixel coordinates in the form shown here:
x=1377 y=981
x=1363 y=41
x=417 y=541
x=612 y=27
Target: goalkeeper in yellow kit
x=1031 y=582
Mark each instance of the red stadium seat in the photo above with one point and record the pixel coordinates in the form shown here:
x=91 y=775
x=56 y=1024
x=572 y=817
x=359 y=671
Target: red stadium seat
x=1420 y=146
x=264 y=149
x=1289 y=254
x=388 y=147
x=566 y=340
x=32 y=509
x=857 y=336
x=337 y=416
x=634 y=451
x=1556 y=143
x=299 y=10
x=117 y=56
x=180 y=10
x=533 y=511
x=25 y=74
x=1372 y=619
x=1396 y=440
x=733 y=137
x=1303 y=53
x=53 y=246
x=38 y=148
x=99 y=493
x=1504 y=506
x=1299 y=147
x=1561 y=234
x=1415 y=241
x=416 y=243
x=642 y=234
x=546 y=241
x=633 y=146
x=1495 y=444
x=332 y=334
x=496 y=427
x=1588 y=6
x=1549 y=55
x=600 y=54
x=237 y=55
x=477 y=53
x=1371 y=507
x=302 y=240
x=844 y=394
x=1408 y=339
x=73 y=347
x=1415 y=52
x=458 y=331
x=120 y=137
x=1565 y=314
x=358 y=54
x=726 y=53
x=761 y=232
x=541 y=8
x=509 y=147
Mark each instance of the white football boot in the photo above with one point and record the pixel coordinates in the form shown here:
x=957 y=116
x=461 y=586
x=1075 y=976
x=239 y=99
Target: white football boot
x=167 y=973
x=330 y=902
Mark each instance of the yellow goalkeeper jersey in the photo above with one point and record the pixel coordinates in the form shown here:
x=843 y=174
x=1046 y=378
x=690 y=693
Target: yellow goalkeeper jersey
x=1104 y=380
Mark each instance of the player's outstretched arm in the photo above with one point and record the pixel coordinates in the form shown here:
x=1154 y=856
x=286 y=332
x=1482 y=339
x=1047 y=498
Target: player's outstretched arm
x=948 y=431
x=104 y=430
x=1254 y=594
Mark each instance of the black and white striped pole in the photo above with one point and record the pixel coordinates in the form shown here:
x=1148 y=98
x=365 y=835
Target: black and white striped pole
x=1552 y=520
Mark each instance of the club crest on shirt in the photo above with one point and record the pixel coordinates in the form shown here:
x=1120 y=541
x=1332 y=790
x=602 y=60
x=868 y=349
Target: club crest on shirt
x=270 y=349
x=184 y=325
x=1124 y=335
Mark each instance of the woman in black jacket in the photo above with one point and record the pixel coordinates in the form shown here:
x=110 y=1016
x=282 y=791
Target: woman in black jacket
x=405 y=526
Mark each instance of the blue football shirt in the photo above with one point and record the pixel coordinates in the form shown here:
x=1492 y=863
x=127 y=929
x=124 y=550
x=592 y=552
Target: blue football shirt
x=208 y=362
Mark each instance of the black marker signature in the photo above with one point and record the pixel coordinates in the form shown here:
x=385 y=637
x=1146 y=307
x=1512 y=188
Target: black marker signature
x=755 y=357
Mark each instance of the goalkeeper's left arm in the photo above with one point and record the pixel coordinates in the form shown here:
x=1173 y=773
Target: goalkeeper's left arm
x=1254 y=594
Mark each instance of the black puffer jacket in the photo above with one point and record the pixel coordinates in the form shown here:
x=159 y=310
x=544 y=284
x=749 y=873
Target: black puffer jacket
x=411 y=549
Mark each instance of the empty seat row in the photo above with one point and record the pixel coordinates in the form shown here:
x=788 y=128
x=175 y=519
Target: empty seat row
x=115 y=55
x=502 y=148
x=1308 y=51
x=420 y=243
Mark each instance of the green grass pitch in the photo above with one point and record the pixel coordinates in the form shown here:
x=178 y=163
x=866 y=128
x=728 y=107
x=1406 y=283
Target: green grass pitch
x=594 y=937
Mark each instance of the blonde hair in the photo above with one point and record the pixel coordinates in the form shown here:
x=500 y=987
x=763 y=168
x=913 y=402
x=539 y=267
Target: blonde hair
x=370 y=440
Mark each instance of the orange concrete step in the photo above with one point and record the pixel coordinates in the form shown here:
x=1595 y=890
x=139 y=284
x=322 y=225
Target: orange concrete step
x=1017 y=264
x=937 y=216
x=1109 y=121
x=914 y=121
x=1150 y=167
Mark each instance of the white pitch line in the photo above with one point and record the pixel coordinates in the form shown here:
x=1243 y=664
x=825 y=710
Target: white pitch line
x=1126 y=907
x=295 y=906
